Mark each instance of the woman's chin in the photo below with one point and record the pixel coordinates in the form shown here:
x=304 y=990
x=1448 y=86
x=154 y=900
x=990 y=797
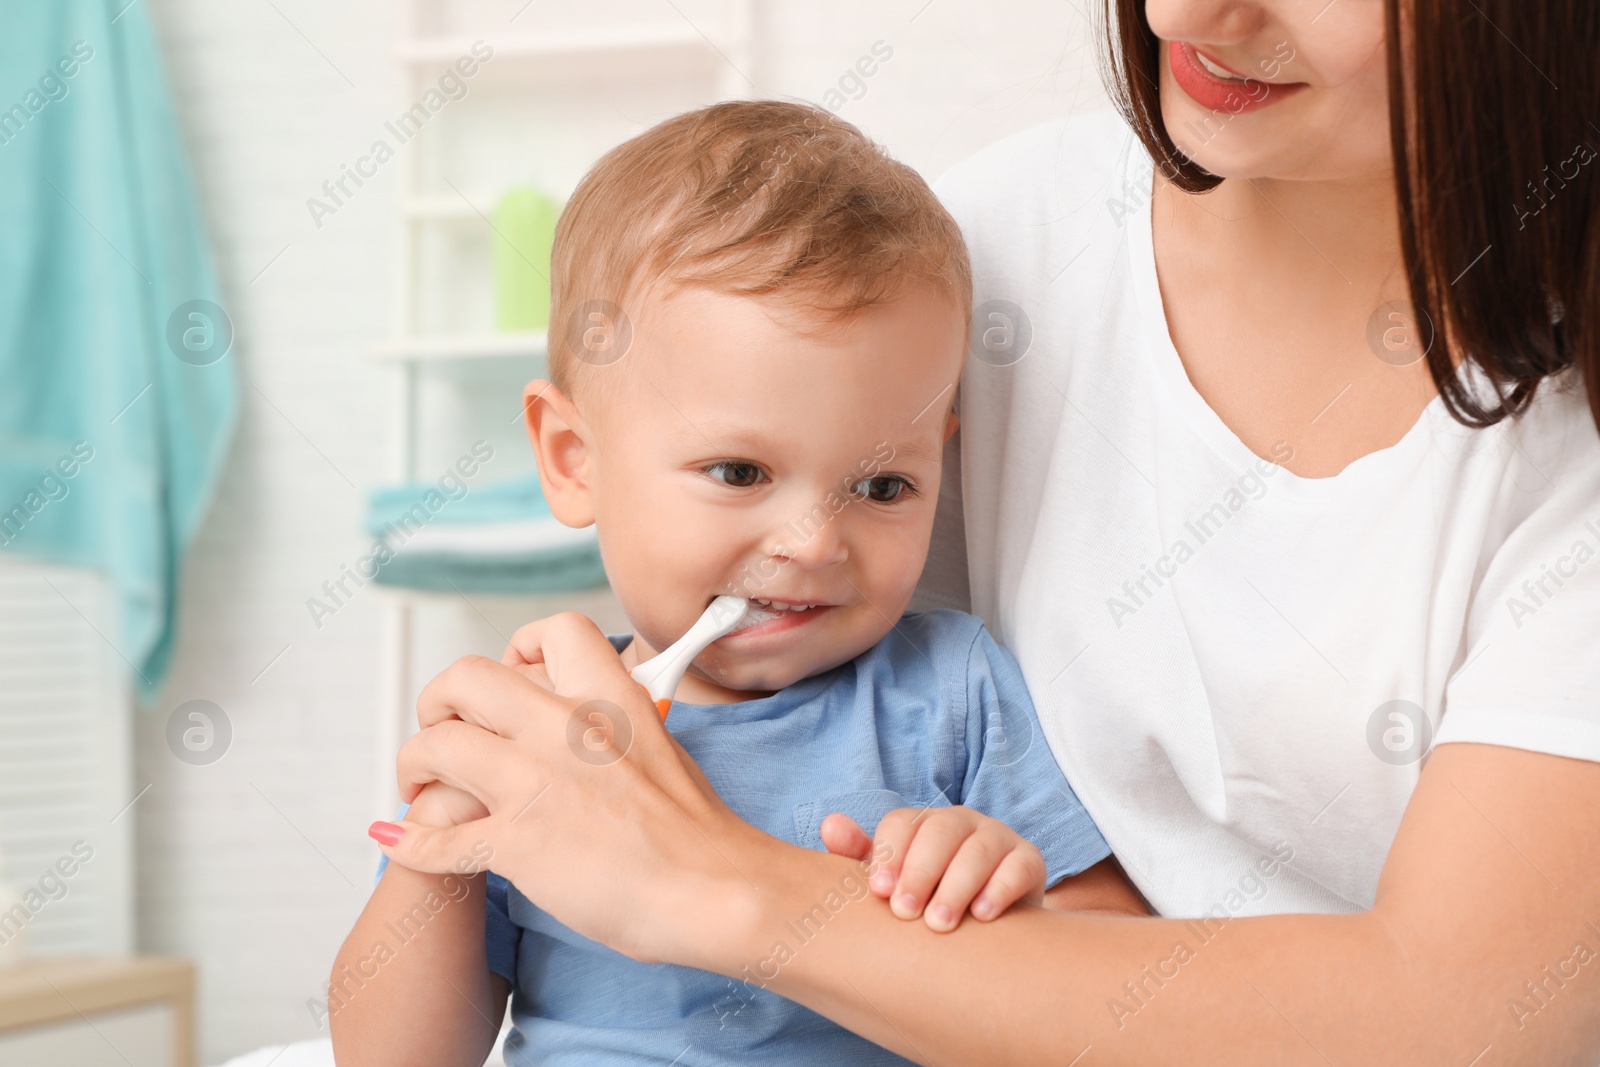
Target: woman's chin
x=1231 y=154
x=1261 y=146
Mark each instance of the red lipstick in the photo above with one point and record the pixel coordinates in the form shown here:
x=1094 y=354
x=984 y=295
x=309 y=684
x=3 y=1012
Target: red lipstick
x=1232 y=95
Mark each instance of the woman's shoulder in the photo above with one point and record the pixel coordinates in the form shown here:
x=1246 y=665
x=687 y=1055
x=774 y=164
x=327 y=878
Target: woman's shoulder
x=1526 y=490
x=1528 y=676
x=1552 y=442
x=1561 y=408
x=1552 y=454
x=1062 y=163
x=1043 y=197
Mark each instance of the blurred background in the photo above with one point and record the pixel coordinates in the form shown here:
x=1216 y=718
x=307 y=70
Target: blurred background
x=271 y=279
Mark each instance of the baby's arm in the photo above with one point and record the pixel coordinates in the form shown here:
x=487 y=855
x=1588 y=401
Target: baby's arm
x=430 y=999
x=1102 y=888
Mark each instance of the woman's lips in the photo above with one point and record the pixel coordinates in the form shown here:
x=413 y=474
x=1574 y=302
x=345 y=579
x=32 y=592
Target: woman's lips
x=1232 y=95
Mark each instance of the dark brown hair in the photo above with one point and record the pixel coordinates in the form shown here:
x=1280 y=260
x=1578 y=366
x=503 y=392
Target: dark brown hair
x=1490 y=103
x=754 y=197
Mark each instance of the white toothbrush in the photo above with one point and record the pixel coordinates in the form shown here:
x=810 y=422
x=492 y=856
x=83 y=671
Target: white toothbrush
x=661 y=674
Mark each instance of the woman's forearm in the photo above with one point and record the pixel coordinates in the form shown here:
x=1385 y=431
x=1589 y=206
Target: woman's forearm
x=1485 y=935
x=411 y=984
x=1040 y=986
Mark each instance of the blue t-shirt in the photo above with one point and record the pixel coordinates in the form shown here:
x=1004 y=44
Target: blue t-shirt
x=934 y=714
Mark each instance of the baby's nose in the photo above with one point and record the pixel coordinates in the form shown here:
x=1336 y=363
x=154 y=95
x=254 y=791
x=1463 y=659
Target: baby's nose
x=816 y=541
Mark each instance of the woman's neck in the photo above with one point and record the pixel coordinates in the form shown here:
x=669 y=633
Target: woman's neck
x=1282 y=299
x=1347 y=229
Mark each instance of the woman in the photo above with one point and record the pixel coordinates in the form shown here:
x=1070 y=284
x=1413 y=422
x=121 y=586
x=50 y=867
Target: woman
x=1278 y=475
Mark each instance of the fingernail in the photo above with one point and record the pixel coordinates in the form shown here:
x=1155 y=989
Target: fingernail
x=906 y=906
x=982 y=908
x=385 y=833
x=882 y=882
x=939 y=917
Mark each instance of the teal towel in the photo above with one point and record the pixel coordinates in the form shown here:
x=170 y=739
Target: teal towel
x=453 y=499
x=557 y=571
x=400 y=510
x=118 y=391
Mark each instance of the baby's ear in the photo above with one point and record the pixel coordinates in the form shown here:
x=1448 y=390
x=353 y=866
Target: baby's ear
x=560 y=438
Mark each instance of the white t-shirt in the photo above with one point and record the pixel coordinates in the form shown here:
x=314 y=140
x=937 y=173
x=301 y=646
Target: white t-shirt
x=1239 y=669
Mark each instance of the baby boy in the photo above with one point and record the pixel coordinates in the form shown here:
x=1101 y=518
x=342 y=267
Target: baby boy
x=759 y=321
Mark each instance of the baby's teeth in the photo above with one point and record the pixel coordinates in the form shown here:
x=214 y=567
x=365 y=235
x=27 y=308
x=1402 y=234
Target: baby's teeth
x=772 y=606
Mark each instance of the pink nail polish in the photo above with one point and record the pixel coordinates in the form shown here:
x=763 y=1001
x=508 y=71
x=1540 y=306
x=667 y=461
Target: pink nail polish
x=385 y=833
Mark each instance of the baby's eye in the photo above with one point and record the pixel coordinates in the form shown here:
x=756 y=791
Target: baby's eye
x=883 y=488
x=735 y=472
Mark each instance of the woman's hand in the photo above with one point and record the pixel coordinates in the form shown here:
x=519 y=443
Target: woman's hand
x=445 y=805
x=593 y=811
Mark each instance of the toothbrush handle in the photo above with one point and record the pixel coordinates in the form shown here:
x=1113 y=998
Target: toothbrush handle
x=663 y=704
x=720 y=617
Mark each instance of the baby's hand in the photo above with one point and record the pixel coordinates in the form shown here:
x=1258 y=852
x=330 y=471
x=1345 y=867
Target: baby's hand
x=444 y=805
x=940 y=860
x=525 y=656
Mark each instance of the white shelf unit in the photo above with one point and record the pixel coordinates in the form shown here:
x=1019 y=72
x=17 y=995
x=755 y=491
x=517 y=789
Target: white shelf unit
x=482 y=346
x=587 y=45
x=566 y=56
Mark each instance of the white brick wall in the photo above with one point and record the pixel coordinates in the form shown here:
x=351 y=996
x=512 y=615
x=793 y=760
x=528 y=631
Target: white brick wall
x=257 y=865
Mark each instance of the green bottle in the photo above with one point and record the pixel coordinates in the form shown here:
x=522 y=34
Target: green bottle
x=525 y=221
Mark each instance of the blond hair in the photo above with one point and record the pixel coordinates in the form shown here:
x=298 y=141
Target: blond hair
x=755 y=198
